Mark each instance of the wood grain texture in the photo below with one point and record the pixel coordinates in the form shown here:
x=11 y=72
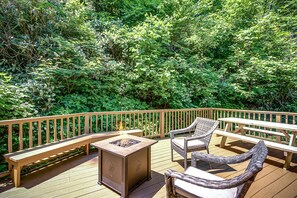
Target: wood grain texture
x=77 y=176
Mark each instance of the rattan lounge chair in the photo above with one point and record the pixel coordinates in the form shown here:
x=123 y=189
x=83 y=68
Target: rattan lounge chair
x=197 y=183
x=203 y=129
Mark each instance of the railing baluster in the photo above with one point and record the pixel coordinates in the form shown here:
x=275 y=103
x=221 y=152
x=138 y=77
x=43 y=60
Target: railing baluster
x=134 y=121
x=47 y=131
x=55 y=130
x=96 y=123
x=9 y=138
x=172 y=126
x=130 y=121
x=162 y=123
x=30 y=135
x=91 y=123
x=111 y=120
x=79 y=130
x=62 y=129
x=68 y=129
x=106 y=123
x=39 y=133
x=101 y=122
x=73 y=127
x=152 y=120
x=21 y=144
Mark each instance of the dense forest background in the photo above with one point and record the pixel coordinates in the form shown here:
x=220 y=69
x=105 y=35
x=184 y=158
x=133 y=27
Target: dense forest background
x=71 y=56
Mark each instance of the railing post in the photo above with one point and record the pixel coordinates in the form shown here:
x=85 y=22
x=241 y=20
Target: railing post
x=9 y=138
x=210 y=113
x=162 y=124
x=278 y=118
x=87 y=121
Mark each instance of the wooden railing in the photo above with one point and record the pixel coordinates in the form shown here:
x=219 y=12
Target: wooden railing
x=31 y=132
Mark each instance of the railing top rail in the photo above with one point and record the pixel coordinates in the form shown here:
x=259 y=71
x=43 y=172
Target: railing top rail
x=255 y=111
x=42 y=118
x=34 y=119
x=146 y=111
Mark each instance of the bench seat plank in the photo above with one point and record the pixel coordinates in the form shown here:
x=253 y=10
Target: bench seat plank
x=264 y=131
x=270 y=144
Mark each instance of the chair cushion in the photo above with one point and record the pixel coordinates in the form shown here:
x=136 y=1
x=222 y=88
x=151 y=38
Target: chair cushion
x=201 y=191
x=193 y=144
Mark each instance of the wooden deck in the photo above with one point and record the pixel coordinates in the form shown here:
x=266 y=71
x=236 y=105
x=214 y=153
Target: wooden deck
x=77 y=176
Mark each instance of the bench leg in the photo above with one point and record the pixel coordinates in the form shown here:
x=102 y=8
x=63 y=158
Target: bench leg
x=10 y=170
x=17 y=176
x=288 y=160
x=291 y=141
x=223 y=141
x=87 y=149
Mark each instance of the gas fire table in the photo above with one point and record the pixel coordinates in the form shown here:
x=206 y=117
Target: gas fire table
x=124 y=162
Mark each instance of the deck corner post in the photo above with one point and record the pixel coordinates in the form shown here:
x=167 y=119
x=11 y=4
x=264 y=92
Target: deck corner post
x=210 y=112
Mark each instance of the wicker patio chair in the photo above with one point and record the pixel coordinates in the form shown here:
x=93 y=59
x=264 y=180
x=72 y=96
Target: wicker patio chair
x=197 y=183
x=203 y=129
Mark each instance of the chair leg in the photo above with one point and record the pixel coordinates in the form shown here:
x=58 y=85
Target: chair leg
x=185 y=162
x=207 y=149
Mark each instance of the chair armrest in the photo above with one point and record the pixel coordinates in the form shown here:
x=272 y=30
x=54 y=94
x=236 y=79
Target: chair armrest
x=208 y=133
x=225 y=160
x=198 y=136
x=184 y=130
x=178 y=131
x=219 y=159
x=213 y=184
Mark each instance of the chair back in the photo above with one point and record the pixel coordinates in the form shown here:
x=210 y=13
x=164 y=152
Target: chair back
x=204 y=126
x=258 y=157
x=254 y=167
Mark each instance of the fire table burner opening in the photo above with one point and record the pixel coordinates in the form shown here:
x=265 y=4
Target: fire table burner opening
x=125 y=143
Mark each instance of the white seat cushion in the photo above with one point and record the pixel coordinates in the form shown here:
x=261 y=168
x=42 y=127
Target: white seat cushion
x=201 y=191
x=193 y=144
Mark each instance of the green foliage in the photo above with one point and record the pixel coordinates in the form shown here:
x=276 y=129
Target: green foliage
x=72 y=56
x=14 y=99
x=130 y=12
x=76 y=56
x=265 y=64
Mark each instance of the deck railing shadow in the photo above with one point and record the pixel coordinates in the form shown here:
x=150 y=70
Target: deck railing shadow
x=271 y=152
x=49 y=171
x=211 y=168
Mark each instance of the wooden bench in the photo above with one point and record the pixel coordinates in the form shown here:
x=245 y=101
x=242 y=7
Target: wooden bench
x=286 y=148
x=17 y=160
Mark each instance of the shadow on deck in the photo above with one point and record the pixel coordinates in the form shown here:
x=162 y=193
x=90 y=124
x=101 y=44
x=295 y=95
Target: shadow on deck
x=77 y=176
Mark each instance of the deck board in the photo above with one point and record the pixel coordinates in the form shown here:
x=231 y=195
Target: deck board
x=77 y=175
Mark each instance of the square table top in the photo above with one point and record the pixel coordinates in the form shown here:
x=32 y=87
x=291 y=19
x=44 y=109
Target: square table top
x=106 y=145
